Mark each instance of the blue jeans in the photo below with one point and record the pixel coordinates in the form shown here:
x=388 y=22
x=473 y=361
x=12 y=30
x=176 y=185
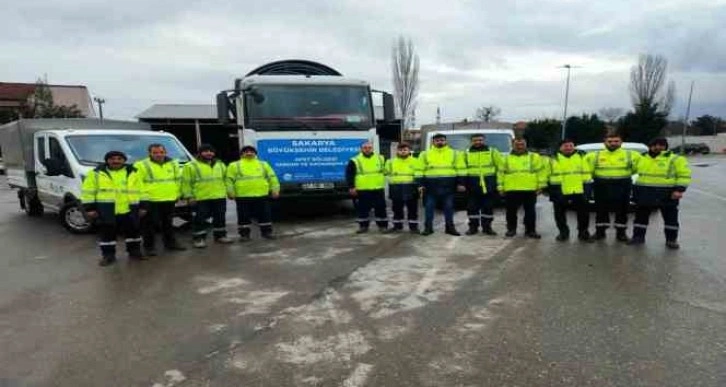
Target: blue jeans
x=448 y=201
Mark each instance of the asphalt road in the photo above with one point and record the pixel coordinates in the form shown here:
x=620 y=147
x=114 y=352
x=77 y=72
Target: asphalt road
x=323 y=307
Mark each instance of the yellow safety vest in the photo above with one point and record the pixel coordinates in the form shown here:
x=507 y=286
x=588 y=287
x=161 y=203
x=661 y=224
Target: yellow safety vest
x=617 y=164
x=162 y=182
x=523 y=172
x=251 y=178
x=369 y=174
x=482 y=163
x=403 y=171
x=442 y=162
x=111 y=192
x=665 y=170
x=203 y=181
x=570 y=173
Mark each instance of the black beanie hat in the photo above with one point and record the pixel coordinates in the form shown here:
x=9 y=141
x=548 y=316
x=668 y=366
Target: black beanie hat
x=206 y=147
x=114 y=153
x=248 y=148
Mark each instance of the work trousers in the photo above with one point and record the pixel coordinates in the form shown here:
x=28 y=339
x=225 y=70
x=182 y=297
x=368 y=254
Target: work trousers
x=447 y=199
x=670 y=221
x=160 y=216
x=480 y=209
x=579 y=203
x=612 y=196
x=411 y=206
x=375 y=200
x=125 y=224
x=257 y=208
x=205 y=209
x=527 y=200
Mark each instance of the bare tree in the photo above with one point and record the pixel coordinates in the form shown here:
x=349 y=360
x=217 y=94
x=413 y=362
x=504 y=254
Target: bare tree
x=647 y=84
x=487 y=113
x=611 y=114
x=405 y=65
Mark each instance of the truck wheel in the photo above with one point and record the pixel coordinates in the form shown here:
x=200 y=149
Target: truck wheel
x=73 y=219
x=33 y=207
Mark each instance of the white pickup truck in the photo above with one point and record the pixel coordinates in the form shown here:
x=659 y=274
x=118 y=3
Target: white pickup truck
x=46 y=160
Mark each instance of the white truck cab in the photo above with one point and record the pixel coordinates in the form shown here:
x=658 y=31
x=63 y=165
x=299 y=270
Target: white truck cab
x=47 y=160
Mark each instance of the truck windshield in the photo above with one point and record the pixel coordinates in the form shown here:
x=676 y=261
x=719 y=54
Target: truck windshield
x=90 y=149
x=312 y=107
x=501 y=141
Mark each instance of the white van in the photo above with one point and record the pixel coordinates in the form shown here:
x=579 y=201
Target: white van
x=46 y=160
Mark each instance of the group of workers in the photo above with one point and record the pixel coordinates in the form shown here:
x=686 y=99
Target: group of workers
x=485 y=176
x=140 y=199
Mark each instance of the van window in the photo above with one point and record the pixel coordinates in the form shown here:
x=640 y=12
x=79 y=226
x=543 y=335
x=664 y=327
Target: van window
x=41 y=148
x=56 y=152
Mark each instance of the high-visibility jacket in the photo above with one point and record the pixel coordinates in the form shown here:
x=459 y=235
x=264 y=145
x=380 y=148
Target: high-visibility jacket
x=522 y=172
x=568 y=174
x=403 y=170
x=667 y=170
x=482 y=162
x=369 y=172
x=442 y=162
x=251 y=178
x=617 y=164
x=161 y=182
x=204 y=181
x=111 y=192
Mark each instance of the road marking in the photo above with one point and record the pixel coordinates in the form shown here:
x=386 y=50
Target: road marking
x=359 y=376
x=709 y=194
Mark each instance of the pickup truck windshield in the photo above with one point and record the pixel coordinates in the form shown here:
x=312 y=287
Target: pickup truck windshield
x=90 y=149
x=501 y=141
x=308 y=107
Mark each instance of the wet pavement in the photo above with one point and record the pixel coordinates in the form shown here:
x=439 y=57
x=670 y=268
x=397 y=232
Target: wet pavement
x=324 y=307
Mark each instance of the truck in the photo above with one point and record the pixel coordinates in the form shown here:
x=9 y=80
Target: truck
x=46 y=160
x=307 y=121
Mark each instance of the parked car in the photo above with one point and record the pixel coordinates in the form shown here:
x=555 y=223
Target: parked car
x=692 y=149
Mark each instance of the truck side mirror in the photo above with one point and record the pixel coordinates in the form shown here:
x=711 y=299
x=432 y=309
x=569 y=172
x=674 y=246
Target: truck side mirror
x=389 y=112
x=223 y=106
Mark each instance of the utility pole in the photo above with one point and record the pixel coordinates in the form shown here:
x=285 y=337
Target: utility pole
x=100 y=101
x=567 y=97
x=685 y=121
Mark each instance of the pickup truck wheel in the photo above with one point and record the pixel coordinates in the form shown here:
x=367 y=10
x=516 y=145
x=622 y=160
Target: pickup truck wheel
x=33 y=207
x=73 y=219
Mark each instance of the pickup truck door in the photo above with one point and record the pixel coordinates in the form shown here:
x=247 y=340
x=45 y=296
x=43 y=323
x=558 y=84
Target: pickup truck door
x=52 y=185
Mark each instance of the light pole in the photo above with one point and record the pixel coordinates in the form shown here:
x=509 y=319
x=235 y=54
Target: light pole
x=567 y=97
x=685 y=121
x=100 y=101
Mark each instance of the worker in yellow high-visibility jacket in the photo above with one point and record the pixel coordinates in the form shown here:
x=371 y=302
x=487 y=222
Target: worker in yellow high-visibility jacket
x=568 y=173
x=663 y=177
x=404 y=174
x=111 y=195
x=365 y=177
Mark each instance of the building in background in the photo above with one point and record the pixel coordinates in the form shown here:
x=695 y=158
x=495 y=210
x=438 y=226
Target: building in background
x=15 y=96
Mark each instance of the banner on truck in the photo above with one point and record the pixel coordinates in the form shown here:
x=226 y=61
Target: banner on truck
x=309 y=160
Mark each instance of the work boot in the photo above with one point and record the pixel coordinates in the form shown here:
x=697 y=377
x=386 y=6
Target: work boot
x=532 y=235
x=451 y=230
x=427 y=231
x=268 y=236
x=362 y=230
x=585 y=237
x=244 y=234
x=622 y=236
x=488 y=231
x=223 y=240
x=200 y=244
x=472 y=230
x=636 y=241
x=510 y=233
x=383 y=230
x=599 y=234
x=414 y=229
x=673 y=245
x=107 y=261
x=562 y=237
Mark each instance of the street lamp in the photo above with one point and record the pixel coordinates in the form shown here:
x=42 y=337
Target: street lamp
x=685 y=121
x=567 y=96
x=100 y=101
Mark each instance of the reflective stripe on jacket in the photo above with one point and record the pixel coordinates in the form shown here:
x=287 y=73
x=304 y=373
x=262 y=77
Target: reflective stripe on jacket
x=522 y=172
x=569 y=173
x=665 y=170
x=111 y=192
x=617 y=164
x=403 y=170
x=369 y=174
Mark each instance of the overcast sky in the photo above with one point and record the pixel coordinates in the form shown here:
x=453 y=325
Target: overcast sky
x=136 y=53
